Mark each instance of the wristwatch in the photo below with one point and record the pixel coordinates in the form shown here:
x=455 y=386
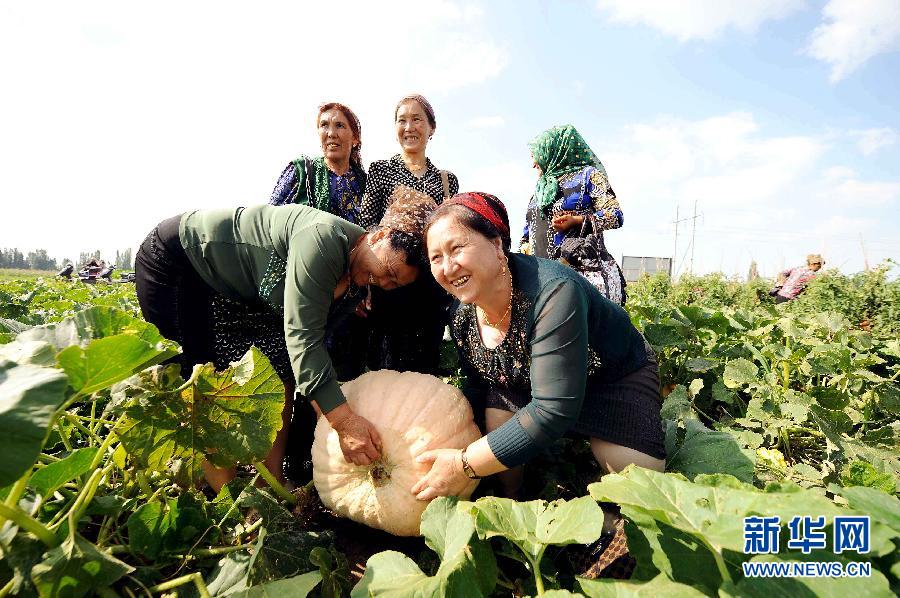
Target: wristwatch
x=467 y=469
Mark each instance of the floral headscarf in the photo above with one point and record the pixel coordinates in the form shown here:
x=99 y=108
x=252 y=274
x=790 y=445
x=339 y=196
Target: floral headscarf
x=558 y=151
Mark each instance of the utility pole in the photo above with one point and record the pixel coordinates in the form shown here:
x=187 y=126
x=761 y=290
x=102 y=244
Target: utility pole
x=675 y=250
x=693 y=233
x=865 y=255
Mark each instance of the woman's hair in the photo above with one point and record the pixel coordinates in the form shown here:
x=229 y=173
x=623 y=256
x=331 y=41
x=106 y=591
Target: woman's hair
x=412 y=246
x=356 y=152
x=470 y=219
x=426 y=105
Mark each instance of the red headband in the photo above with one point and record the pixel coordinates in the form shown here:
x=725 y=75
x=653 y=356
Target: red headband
x=478 y=203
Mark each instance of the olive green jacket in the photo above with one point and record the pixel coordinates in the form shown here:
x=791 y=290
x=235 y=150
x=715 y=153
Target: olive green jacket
x=288 y=257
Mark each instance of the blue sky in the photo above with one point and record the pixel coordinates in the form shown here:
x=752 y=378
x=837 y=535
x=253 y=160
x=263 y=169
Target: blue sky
x=781 y=119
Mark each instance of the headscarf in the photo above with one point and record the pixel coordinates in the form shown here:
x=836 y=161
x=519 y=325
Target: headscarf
x=408 y=211
x=488 y=207
x=558 y=151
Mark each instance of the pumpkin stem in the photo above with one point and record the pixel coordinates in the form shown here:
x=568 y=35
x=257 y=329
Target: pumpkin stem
x=380 y=473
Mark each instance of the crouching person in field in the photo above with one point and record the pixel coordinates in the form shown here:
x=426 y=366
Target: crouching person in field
x=544 y=354
x=308 y=267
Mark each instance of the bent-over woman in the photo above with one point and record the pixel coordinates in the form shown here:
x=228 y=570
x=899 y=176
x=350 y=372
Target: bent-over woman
x=544 y=354
x=305 y=265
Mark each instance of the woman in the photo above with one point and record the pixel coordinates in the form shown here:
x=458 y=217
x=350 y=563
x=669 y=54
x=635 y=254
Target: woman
x=397 y=341
x=544 y=353
x=572 y=205
x=309 y=266
x=333 y=182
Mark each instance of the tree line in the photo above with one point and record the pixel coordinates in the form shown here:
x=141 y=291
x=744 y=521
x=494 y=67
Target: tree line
x=39 y=259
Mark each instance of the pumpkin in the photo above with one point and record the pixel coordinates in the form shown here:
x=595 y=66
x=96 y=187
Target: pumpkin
x=413 y=413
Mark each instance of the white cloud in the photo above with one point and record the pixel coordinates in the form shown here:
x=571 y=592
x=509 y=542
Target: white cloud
x=853 y=32
x=870 y=141
x=698 y=19
x=141 y=114
x=764 y=197
x=487 y=122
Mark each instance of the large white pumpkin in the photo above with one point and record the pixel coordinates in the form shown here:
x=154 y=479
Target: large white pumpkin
x=413 y=413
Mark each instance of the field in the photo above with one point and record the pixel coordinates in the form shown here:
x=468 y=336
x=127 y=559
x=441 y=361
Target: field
x=787 y=410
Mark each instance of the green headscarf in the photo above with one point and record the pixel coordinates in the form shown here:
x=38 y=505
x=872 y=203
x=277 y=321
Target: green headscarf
x=558 y=151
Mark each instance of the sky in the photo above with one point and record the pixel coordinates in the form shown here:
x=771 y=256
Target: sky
x=778 y=119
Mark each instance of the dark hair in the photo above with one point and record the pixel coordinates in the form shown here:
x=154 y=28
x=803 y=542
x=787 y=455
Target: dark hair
x=356 y=152
x=468 y=218
x=426 y=105
x=412 y=246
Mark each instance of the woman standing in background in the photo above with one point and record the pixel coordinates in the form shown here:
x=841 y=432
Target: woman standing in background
x=399 y=341
x=572 y=205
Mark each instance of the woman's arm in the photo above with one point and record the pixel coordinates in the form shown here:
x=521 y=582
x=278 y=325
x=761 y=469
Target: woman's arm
x=607 y=213
x=453 y=183
x=559 y=359
x=316 y=261
x=289 y=184
x=558 y=378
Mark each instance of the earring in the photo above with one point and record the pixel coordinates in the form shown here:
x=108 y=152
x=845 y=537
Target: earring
x=504 y=264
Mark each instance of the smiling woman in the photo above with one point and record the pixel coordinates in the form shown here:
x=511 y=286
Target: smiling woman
x=399 y=342
x=543 y=352
x=307 y=267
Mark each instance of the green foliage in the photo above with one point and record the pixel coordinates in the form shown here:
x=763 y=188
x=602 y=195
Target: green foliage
x=797 y=403
x=467 y=563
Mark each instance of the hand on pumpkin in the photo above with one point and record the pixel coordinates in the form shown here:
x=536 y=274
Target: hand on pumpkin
x=446 y=477
x=564 y=222
x=359 y=439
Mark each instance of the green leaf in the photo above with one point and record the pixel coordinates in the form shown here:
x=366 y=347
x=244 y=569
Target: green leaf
x=29 y=398
x=862 y=473
x=94 y=323
x=712 y=509
x=740 y=372
x=534 y=525
x=880 y=506
x=660 y=548
x=32 y=352
x=147 y=528
x=283 y=546
x=677 y=406
x=106 y=361
x=231 y=416
x=700 y=365
x=77 y=568
x=299 y=586
x=467 y=565
x=706 y=451
x=230 y=574
x=47 y=479
x=659 y=587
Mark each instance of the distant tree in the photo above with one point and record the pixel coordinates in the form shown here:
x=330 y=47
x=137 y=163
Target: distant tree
x=86 y=256
x=39 y=260
x=12 y=258
x=123 y=259
x=753 y=274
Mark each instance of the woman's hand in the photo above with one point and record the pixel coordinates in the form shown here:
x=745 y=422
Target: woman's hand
x=564 y=222
x=359 y=439
x=446 y=477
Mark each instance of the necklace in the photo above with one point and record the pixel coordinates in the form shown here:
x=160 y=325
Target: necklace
x=505 y=314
